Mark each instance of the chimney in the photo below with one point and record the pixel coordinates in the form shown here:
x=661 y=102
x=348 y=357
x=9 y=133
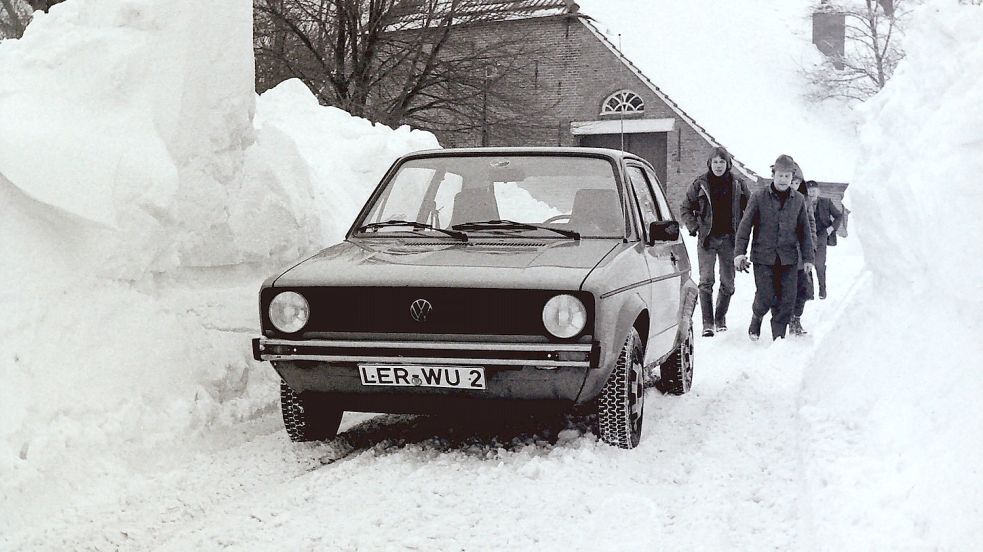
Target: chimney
x=829 y=32
x=888 y=6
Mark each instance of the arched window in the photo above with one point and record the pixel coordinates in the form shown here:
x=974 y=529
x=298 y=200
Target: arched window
x=623 y=101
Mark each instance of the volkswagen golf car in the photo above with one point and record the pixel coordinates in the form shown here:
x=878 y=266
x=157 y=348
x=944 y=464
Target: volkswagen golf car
x=489 y=278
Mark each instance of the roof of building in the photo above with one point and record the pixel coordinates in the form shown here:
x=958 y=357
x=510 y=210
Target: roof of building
x=503 y=10
x=586 y=20
x=522 y=8
x=470 y=11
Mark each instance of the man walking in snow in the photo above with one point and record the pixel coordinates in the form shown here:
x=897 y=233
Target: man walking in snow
x=711 y=211
x=777 y=215
x=804 y=288
x=828 y=220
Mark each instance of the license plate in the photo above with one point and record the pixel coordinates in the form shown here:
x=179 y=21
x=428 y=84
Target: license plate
x=401 y=375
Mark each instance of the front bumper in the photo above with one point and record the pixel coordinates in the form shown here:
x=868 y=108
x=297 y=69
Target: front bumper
x=539 y=355
x=524 y=372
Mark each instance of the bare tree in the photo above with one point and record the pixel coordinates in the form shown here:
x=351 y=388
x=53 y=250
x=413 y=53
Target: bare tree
x=871 y=52
x=16 y=14
x=14 y=17
x=402 y=62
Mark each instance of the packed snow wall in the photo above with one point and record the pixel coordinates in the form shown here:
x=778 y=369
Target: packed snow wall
x=892 y=398
x=134 y=116
x=145 y=192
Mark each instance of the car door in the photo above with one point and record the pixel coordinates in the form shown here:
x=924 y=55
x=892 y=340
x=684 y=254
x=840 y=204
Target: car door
x=678 y=247
x=663 y=289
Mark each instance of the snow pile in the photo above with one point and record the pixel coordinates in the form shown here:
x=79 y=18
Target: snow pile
x=133 y=115
x=139 y=211
x=346 y=157
x=892 y=400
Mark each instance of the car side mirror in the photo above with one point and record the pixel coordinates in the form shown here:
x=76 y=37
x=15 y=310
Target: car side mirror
x=663 y=230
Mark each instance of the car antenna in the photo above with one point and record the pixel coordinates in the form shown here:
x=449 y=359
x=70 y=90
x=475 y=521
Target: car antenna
x=621 y=117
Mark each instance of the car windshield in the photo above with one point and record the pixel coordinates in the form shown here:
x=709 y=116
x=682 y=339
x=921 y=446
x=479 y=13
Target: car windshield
x=546 y=196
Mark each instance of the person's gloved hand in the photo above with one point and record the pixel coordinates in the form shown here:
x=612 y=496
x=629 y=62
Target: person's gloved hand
x=741 y=263
x=829 y=231
x=809 y=268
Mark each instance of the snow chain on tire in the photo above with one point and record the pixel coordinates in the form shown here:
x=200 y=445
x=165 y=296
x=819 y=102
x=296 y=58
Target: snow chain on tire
x=677 y=370
x=621 y=404
x=307 y=418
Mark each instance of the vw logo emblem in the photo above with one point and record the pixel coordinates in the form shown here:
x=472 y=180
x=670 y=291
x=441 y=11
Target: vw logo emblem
x=420 y=310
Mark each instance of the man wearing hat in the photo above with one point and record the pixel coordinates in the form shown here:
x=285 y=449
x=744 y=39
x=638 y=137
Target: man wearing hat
x=805 y=288
x=828 y=220
x=777 y=216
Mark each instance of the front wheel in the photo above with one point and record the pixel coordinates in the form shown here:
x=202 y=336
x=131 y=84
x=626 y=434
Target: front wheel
x=622 y=401
x=308 y=417
x=677 y=370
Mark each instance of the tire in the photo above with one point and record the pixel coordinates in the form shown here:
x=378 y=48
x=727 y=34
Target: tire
x=620 y=407
x=308 y=417
x=677 y=370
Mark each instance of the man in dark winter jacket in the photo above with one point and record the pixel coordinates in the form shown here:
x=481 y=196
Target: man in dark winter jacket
x=828 y=220
x=804 y=285
x=777 y=215
x=712 y=209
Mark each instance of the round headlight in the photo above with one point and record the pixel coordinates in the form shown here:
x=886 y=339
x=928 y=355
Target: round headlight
x=289 y=311
x=564 y=316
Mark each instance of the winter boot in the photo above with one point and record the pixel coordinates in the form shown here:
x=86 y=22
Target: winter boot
x=720 y=322
x=706 y=305
x=795 y=326
x=754 y=330
x=777 y=330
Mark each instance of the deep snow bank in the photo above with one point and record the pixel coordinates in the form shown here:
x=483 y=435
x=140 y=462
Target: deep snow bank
x=133 y=115
x=139 y=211
x=345 y=156
x=899 y=381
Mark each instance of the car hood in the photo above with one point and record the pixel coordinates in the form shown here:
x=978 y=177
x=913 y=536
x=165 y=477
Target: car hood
x=511 y=263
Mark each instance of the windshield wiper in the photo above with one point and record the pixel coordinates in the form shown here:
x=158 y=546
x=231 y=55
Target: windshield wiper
x=501 y=224
x=415 y=225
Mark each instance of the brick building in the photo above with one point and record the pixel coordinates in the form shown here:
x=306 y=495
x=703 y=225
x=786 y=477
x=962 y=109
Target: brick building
x=597 y=96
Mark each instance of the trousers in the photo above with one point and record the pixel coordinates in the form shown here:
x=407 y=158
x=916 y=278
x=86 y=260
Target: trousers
x=775 y=290
x=718 y=248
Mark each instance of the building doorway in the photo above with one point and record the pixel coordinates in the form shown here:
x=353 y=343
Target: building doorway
x=651 y=146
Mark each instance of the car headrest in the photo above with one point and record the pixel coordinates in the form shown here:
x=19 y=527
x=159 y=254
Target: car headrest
x=597 y=211
x=474 y=205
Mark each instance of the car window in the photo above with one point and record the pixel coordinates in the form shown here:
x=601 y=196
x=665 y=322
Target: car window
x=660 y=196
x=563 y=192
x=395 y=203
x=647 y=204
x=516 y=202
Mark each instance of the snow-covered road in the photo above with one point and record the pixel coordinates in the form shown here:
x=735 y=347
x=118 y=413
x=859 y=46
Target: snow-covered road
x=719 y=468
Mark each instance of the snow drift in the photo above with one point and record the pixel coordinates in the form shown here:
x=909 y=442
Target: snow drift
x=140 y=208
x=899 y=380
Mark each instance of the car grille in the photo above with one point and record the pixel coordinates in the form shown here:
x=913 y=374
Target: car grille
x=453 y=311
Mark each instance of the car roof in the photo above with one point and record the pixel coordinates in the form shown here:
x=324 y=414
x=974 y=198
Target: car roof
x=564 y=151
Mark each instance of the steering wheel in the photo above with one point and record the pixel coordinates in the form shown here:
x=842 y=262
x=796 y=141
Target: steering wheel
x=556 y=218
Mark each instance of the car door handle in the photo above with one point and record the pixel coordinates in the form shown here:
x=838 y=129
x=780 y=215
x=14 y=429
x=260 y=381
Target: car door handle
x=672 y=257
